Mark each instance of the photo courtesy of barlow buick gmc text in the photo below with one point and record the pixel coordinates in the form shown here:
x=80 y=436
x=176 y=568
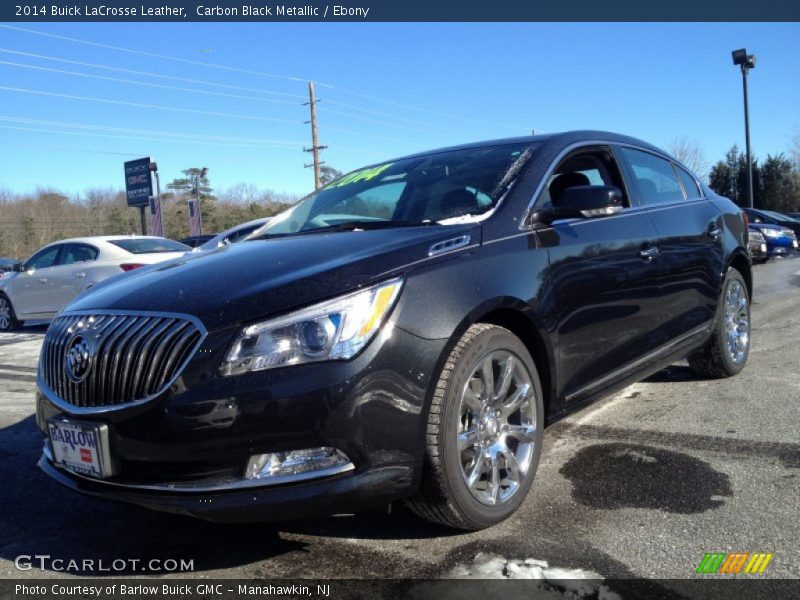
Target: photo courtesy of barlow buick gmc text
x=399 y=301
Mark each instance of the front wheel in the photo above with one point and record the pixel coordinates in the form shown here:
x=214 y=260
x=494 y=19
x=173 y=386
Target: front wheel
x=726 y=352
x=484 y=432
x=8 y=320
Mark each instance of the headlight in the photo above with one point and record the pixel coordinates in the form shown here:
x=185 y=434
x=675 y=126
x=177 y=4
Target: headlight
x=333 y=330
x=771 y=232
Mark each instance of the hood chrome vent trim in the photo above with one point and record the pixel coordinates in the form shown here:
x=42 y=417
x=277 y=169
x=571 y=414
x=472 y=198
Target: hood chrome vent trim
x=449 y=245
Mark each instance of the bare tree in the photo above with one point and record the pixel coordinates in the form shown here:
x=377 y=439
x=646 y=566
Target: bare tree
x=691 y=153
x=795 y=149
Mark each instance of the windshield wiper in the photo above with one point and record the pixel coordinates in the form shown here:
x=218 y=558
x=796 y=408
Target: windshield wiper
x=347 y=226
x=356 y=225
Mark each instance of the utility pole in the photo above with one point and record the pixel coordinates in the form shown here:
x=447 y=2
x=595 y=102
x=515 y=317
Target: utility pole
x=315 y=147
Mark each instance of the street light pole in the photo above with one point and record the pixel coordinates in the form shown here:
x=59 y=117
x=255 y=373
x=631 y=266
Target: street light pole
x=746 y=62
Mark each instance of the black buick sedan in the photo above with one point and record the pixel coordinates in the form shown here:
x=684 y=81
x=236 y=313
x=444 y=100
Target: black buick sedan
x=404 y=333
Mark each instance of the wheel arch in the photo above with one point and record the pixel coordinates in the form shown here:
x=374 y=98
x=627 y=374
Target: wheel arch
x=511 y=314
x=740 y=261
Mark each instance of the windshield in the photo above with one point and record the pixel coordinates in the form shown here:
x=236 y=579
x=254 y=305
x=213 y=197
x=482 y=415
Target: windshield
x=149 y=245
x=446 y=187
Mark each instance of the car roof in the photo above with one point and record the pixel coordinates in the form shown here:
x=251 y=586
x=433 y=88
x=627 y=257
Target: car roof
x=561 y=139
x=102 y=238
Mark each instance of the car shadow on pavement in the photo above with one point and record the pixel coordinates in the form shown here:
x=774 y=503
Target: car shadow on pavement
x=41 y=517
x=674 y=373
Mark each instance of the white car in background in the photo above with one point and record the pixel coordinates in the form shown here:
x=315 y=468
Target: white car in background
x=39 y=288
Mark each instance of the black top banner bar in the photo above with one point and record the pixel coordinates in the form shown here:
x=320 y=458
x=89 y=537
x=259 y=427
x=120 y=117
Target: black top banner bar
x=397 y=10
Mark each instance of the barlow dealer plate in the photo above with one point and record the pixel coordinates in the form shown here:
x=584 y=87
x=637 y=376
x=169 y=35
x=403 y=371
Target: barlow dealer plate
x=80 y=447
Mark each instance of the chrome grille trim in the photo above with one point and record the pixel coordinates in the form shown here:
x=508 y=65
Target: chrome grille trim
x=137 y=356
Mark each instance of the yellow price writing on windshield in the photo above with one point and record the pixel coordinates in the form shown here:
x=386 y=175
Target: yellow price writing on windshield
x=362 y=175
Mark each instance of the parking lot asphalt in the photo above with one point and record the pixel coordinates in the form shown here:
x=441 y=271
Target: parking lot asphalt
x=641 y=484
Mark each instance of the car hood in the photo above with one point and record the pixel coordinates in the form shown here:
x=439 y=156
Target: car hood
x=243 y=282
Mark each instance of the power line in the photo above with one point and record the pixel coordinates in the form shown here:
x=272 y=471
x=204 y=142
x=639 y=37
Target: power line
x=140 y=105
x=128 y=137
x=144 y=83
x=149 y=74
x=71 y=150
x=264 y=74
x=385 y=115
x=378 y=113
x=337 y=149
x=369 y=120
x=369 y=135
x=155 y=55
x=191 y=136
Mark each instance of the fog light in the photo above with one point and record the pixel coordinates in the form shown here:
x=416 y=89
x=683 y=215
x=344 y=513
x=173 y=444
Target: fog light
x=298 y=464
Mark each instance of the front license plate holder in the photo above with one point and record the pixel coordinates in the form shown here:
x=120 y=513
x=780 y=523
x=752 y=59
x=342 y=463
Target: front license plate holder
x=81 y=447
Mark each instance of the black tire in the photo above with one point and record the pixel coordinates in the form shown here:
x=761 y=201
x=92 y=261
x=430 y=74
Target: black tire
x=444 y=496
x=714 y=359
x=9 y=323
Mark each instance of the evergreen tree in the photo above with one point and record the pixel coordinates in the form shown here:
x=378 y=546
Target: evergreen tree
x=780 y=188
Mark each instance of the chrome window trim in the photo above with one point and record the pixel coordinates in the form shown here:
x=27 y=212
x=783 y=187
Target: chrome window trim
x=71 y=409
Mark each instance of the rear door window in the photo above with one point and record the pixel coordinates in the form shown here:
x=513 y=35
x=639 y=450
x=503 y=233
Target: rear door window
x=654 y=177
x=76 y=253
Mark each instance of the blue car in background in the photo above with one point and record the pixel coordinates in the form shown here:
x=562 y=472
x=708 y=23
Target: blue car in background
x=781 y=241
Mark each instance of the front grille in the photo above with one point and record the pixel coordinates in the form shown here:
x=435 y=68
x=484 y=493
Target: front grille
x=127 y=358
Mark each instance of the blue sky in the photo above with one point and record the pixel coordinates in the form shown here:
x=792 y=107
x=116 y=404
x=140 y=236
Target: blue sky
x=385 y=90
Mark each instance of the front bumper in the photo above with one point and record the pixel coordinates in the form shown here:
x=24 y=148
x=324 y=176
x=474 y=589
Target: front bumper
x=186 y=450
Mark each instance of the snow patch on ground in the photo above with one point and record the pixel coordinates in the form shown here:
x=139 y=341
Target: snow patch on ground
x=635 y=456
x=557 y=582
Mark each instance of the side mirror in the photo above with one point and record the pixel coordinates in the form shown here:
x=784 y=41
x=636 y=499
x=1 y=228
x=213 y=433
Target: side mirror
x=583 y=201
x=18 y=267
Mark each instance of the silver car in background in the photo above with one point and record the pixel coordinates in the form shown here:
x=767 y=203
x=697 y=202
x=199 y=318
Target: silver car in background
x=39 y=288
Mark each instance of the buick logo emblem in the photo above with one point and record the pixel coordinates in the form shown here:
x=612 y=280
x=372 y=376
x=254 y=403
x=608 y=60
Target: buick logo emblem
x=78 y=360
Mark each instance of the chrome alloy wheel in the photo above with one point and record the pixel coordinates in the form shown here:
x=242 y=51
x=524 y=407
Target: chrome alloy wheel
x=5 y=314
x=737 y=321
x=497 y=422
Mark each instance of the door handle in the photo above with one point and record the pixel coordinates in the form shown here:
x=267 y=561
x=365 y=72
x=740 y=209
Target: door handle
x=648 y=254
x=714 y=232
x=42 y=280
x=80 y=275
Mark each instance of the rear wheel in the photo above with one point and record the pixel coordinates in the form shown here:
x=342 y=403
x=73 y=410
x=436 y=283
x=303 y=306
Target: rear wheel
x=726 y=352
x=8 y=320
x=484 y=432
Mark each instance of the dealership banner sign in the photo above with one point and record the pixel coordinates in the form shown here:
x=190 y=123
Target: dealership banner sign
x=138 y=181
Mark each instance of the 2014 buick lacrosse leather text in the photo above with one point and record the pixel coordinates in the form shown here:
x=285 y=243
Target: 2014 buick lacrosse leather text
x=404 y=333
